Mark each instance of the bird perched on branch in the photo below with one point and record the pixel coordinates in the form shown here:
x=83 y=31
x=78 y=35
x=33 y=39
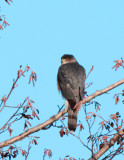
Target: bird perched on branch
x=71 y=82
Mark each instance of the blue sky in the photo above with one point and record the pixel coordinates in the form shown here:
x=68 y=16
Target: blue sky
x=40 y=32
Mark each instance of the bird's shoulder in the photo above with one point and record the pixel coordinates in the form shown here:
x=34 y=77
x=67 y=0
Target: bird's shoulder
x=71 y=67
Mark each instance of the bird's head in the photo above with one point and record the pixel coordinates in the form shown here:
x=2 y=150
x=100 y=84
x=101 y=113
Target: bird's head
x=66 y=58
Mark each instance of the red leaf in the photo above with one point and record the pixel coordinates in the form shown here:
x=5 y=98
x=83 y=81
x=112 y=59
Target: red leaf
x=49 y=153
x=33 y=80
x=81 y=127
x=35 y=142
x=66 y=132
x=27 y=68
x=119 y=127
x=104 y=138
x=88 y=117
x=4 y=99
x=102 y=123
x=29 y=123
x=30 y=79
x=1 y=28
x=20 y=72
x=10 y=131
x=34 y=114
x=24 y=153
x=5 y=23
x=97 y=108
x=61 y=132
x=25 y=125
x=30 y=105
x=117 y=98
x=113 y=116
x=32 y=101
x=118 y=64
x=34 y=76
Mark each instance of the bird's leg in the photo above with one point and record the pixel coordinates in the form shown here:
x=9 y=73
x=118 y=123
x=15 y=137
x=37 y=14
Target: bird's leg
x=66 y=104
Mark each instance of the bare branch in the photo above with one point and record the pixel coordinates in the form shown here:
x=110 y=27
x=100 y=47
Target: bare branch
x=117 y=151
x=108 y=145
x=60 y=114
x=98 y=93
x=32 y=130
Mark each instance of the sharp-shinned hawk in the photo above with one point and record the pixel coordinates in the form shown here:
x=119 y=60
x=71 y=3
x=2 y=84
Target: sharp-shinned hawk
x=71 y=82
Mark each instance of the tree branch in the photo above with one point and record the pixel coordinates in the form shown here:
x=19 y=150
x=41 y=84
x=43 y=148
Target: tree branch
x=108 y=145
x=98 y=93
x=57 y=116
x=117 y=151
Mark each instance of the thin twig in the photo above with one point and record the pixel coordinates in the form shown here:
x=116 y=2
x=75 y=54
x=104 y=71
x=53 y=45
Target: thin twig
x=14 y=114
x=88 y=127
x=60 y=114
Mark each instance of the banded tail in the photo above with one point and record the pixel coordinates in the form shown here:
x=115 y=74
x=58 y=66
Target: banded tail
x=72 y=118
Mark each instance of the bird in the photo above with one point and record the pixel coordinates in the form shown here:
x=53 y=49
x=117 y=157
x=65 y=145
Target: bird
x=71 y=83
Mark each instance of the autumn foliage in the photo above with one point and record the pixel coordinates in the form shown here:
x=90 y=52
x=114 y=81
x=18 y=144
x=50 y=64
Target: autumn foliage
x=106 y=128
x=3 y=22
x=108 y=132
x=20 y=113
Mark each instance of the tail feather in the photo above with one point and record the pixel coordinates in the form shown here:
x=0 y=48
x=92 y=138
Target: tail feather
x=72 y=119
